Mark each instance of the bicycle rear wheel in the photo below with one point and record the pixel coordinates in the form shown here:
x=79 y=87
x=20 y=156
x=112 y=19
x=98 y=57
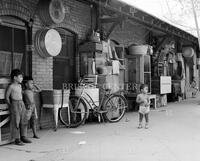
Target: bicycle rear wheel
x=115 y=107
x=76 y=114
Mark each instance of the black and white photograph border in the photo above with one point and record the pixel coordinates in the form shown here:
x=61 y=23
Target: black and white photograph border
x=99 y=80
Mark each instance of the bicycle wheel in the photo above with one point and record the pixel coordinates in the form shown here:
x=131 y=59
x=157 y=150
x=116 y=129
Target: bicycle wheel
x=115 y=107
x=76 y=114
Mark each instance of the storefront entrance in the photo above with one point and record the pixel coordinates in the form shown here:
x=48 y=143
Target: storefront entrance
x=64 y=67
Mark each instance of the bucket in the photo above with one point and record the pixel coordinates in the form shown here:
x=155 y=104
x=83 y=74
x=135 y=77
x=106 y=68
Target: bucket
x=55 y=97
x=138 y=49
x=51 y=11
x=48 y=42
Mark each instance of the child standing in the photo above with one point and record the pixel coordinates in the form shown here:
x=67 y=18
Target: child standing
x=144 y=105
x=17 y=108
x=194 y=87
x=29 y=101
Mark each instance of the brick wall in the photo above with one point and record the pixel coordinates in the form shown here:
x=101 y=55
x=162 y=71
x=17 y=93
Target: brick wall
x=42 y=68
x=23 y=9
x=77 y=20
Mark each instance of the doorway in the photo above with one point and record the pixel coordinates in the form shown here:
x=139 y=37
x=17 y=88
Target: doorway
x=64 y=66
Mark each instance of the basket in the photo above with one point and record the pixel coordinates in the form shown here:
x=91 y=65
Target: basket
x=139 y=49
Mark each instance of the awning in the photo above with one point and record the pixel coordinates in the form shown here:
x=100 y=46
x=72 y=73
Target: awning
x=124 y=11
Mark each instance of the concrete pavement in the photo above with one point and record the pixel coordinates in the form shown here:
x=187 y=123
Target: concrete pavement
x=173 y=135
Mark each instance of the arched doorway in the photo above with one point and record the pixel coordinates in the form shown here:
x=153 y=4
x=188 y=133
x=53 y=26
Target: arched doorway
x=64 y=66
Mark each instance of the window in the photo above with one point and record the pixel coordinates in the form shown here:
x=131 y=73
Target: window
x=12 y=48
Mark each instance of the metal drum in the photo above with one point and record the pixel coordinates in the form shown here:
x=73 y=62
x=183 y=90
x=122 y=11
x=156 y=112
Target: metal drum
x=51 y=11
x=48 y=42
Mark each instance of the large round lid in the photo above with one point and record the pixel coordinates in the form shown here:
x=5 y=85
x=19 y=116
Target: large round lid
x=57 y=11
x=188 y=51
x=53 y=42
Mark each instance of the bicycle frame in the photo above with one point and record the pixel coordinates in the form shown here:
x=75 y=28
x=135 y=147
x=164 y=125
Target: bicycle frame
x=85 y=99
x=101 y=101
x=88 y=102
x=91 y=101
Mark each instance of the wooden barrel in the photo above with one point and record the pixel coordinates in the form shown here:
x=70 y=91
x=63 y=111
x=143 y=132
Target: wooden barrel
x=51 y=11
x=48 y=42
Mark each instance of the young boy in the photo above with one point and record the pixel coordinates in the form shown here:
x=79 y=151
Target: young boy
x=17 y=107
x=144 y=105
x=29 y=101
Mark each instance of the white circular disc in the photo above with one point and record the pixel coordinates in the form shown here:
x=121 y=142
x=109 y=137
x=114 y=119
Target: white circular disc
x=53 y=42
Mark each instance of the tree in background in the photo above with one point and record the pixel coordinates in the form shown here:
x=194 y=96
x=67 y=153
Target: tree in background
x=181 y=13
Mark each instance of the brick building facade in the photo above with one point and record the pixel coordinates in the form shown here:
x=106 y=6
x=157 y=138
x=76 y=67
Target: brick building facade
x=77 y=21
x=80 y=20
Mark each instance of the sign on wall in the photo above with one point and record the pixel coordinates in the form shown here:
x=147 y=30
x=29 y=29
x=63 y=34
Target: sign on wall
x=165 y=84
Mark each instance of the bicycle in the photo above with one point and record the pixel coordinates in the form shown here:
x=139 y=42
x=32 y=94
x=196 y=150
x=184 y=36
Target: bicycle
x=112 y=107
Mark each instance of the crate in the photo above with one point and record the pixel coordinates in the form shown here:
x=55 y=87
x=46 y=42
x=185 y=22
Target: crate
x=5 y=133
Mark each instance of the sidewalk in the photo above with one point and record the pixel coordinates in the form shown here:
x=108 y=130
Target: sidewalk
x=173 y=135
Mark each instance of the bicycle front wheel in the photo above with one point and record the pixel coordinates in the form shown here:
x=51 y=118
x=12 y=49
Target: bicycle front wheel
x=76 y=114
x=115 y=107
